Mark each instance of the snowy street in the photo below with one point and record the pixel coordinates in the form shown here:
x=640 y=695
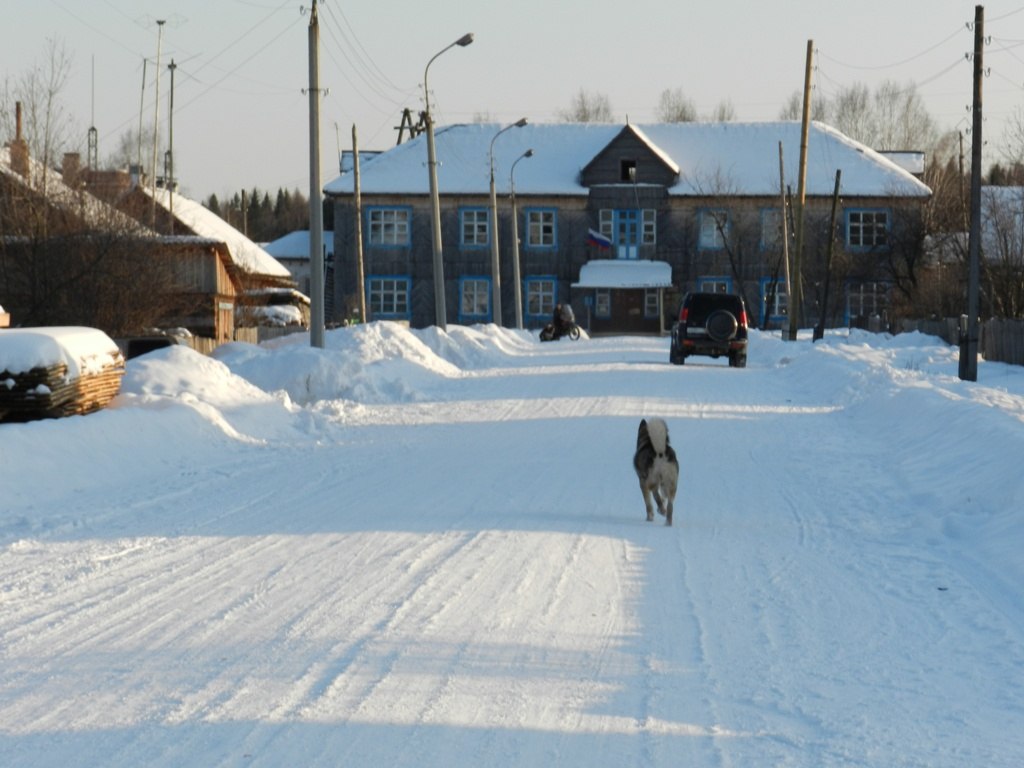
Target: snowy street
x=419 y=548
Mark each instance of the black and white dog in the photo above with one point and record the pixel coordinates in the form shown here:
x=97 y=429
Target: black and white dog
x=656 y=467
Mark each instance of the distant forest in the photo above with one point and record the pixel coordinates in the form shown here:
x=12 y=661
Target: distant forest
x=263 y=218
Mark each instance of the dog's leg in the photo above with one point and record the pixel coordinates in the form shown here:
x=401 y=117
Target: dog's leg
x=658 y=500
x=647 y=501
x=668 y=512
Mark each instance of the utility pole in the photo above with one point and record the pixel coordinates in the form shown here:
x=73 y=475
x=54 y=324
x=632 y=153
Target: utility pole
x=969 y=335
x=156 y=114
x=819 y=330
x=316 y=208
x=169 y=182
x=360 y=274
x=797 y=298
x=785 y=231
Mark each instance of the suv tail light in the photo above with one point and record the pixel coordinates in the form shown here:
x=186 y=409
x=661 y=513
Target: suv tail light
x=684 y=314
x=743 y=319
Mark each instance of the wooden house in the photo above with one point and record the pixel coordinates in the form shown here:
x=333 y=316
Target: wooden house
x=678 y=207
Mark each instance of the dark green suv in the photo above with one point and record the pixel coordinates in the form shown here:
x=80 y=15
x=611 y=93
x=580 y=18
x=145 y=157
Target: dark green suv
x=710 y=324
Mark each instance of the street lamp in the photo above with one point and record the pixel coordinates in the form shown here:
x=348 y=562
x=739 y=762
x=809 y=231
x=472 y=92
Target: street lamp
x=440 y=311
x=515 y=240
x=495 y=257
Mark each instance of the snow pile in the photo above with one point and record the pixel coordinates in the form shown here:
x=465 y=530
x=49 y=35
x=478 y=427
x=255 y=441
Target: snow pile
x=419 y=547
x=82 y=350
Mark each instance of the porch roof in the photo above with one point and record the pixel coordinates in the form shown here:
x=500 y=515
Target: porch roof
x=624 y=273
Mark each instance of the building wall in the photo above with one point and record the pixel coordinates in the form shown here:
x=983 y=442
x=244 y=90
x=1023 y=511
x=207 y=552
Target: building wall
x=743 y=262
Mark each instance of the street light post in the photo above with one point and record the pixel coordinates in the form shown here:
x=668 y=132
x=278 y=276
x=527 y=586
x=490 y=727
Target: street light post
x=515 y=240
x=440 y=311
x=495 y=254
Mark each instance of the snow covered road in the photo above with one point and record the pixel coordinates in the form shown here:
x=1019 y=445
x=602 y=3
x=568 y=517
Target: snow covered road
x=420 y=548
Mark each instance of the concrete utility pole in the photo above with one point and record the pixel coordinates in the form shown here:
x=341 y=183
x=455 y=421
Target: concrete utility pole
x=969 y=345
x=169 y=181
x=360 y=274
x=316 y=208
x=785 y=230
x=796 y=304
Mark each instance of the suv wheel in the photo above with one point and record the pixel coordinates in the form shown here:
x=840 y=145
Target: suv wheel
x=722 y=325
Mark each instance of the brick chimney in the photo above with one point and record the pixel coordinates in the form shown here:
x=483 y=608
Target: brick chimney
x=71 y=167
x=19 y=147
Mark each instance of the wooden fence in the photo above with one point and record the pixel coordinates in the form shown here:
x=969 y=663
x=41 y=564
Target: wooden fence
x=1002 y=341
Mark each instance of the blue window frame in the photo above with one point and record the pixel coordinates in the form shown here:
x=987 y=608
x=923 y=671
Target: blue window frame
x=475 y=227
x=541 y=228
x=474 y=299
x=389 y=227
x=388 y=296
x=867 y=229
x=541 y=295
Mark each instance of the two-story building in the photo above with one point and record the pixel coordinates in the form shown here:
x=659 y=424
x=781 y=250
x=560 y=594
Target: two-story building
x=618 y=220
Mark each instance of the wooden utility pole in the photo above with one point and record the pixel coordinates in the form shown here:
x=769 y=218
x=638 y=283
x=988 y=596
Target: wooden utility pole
x=969 y=344
x=360 y=276
x=797 y=297
x=316 y=208
x=819 y=330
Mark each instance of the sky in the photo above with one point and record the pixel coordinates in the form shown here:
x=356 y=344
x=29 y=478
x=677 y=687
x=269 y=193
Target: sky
x=428 y=548
x=241 y=117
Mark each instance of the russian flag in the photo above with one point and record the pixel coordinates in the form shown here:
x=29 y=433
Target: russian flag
x=598 y=240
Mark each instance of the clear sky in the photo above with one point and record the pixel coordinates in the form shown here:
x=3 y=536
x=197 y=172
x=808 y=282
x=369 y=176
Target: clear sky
x=241 y=117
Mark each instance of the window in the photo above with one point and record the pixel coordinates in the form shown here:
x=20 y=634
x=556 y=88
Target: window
x=714 y=225
x=388 y=296
x=866 y=300
x=867 y=229
x=540 y=228
x=771 y=229
x=774 y=301
x=540 y=296
x=474 y=299
x=652 y=306
x=388 y=226
x=602 y=302
x=627 y=170
x=476 y=227
x=714 y=285
x=628 y=229
x=650 y=228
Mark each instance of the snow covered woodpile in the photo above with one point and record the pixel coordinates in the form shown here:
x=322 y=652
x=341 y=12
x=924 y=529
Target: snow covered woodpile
x=60 y=371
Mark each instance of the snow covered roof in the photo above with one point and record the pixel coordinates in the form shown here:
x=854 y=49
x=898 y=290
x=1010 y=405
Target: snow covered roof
x=246 y=254
x=734 y=159
x=295 y=245
x=89 y=209
x=624 y=273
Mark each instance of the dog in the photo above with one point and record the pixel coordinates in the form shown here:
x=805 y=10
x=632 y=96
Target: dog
x=657 y=468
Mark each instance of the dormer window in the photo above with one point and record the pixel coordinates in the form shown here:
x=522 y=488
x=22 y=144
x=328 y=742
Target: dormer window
x=627 y=171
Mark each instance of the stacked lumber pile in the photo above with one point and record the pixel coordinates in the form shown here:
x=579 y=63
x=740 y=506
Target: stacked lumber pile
x=78 y=380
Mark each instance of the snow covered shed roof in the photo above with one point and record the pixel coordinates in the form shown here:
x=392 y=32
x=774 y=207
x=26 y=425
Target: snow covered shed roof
x=714 y=159
x=624 y=273
x=245 y=254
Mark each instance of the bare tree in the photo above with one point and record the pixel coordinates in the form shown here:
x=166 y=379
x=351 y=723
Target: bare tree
x=724 y=112
x=674 y=106
x=588 y=107
x=47 y=126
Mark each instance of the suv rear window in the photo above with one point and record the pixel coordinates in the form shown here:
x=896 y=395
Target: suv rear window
x=700 y=305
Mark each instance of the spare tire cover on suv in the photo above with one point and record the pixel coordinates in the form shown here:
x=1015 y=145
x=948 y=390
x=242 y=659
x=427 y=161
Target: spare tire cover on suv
x=722 y=325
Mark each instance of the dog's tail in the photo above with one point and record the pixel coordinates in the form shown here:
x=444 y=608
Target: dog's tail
x=656 y=431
